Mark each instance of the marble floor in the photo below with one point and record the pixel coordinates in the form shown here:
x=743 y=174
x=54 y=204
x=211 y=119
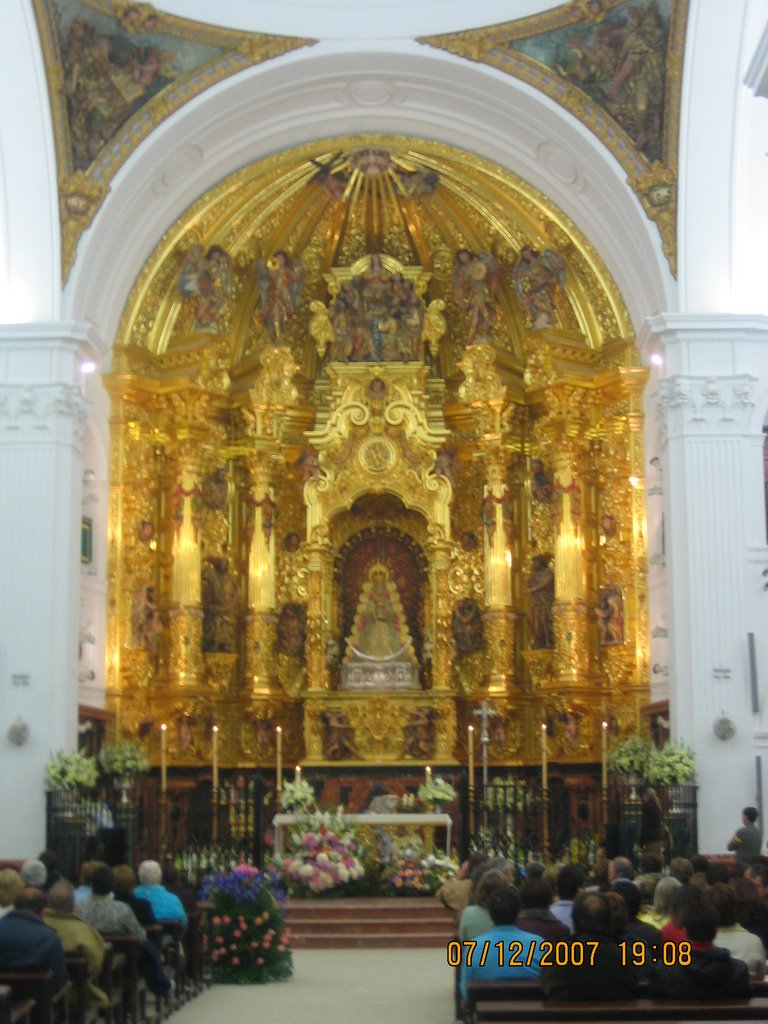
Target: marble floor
x=345 y=986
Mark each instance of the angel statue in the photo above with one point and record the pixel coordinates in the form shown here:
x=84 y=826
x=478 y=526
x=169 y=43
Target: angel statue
x=537 y=276
x=475 y=283
x=281 y=282
x=207 y=277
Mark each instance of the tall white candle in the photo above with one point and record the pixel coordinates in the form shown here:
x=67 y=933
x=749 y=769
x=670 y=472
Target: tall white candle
x=215 y=754
x=605 y=754
x=544 y=767
x=279 y=766
x=163 y=757
x=471 y=753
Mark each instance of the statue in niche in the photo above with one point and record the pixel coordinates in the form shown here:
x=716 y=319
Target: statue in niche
x=281 y=282
x=419 y=733
x=221 y=606
x=475 y=283
x=537 y=276
x=145 y=621
x=467 y=626
x=542 y=483
x=338 y=736
x=292 y=629
x=207 y=277
x=380 y=631
x=610 y=616
x=375 y=317
x=541 y=587
x=216 y=489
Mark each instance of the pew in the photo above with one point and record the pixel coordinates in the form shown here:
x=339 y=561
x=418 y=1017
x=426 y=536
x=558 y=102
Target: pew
x=111 y=982
x=50 y=1004
x=80 y=1011
x=134 y=988
x=13 y=1010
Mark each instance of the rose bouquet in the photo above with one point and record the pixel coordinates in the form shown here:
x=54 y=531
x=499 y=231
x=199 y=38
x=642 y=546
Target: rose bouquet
x=414 y=876
x=246 y=936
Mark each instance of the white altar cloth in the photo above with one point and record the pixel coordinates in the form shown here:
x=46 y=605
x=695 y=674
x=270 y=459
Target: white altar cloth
x=284 y=821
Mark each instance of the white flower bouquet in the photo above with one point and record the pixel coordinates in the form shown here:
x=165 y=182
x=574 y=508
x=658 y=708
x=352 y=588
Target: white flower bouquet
x=631 y=756
x=70 y=771
x=673 y=765
x=297 y=797
x=125 y=759
x=436 y=791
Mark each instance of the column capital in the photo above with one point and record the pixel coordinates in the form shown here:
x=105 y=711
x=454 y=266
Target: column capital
x=706 y=343
x=706 y=406
x=42 y=413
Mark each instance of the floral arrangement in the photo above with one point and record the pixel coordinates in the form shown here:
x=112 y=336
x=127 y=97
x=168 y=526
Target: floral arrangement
x=436 y=791
x=509 y=794
x=324 y=856
x=71 y=771
x=297 y=797
x=631 y=756
x=673 y=765
x=246 y=938
x=125 y=759
x=412 y=876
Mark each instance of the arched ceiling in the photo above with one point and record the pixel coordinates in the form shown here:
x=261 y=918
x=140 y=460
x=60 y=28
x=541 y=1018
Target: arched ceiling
x=327 y=204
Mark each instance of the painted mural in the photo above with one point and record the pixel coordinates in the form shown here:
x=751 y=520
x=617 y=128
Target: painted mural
x=112 y=66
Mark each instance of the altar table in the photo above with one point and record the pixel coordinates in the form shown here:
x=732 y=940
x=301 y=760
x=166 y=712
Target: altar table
x=425 y=821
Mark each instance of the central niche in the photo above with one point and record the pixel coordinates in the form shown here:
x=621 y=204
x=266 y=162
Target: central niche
x=386 y=561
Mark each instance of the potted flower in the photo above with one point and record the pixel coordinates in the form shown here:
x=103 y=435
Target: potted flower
x=247 y=938
x=70 y=771
x=125 y=760
x=630 y=759
x=436 y=792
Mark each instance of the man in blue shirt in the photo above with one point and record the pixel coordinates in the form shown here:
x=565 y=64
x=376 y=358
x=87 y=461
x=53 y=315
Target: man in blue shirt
x=506 y=951
x=166 y=905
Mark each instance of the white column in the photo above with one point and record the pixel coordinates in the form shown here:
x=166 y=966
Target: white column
x=714 y=515
x=42 y=420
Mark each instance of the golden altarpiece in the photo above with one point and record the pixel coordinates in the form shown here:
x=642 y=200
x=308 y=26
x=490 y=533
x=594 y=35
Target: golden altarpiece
x=376 y=458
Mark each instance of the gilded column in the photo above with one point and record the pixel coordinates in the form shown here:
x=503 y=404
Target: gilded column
x=441 y=625
x=259 y=630
x=320 y=568
x=186 y=613
x=570 y=621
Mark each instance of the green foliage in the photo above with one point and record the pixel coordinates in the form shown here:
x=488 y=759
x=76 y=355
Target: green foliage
x=436 y=791
x=125 y=759
x=673 y=765
x=631 y=756
x=70 y=771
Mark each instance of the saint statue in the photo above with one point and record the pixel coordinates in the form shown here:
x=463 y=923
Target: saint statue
x=380 y=631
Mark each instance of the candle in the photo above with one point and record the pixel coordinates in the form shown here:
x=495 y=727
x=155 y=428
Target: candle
x=163 y=757
x=471 y=753
x=605 y=754
x=215 y=757
x=297 y=774
x=544 y=778
x=279 y=767
x=427 y=774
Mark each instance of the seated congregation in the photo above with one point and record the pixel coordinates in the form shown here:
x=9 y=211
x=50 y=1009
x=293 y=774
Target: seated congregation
x=101 y=950
x=615 y=945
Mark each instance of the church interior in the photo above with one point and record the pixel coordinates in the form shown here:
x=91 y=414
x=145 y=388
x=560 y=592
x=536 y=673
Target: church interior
x=431 y=374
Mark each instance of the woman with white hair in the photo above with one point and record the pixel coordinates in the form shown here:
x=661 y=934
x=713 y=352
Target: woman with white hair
x=165 y=905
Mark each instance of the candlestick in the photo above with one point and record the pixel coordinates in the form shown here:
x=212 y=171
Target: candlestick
x=471 y=753
x=215 y=751
x=163 y=758
x=279 y=766
x=544 y=773
x=605 y=754
x=297 y=774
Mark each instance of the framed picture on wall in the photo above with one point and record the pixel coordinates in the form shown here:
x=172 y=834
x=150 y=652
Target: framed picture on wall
x=86 y=540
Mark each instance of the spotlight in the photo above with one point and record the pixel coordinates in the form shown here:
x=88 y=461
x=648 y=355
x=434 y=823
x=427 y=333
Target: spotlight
x=657 y=359
x=88 y=366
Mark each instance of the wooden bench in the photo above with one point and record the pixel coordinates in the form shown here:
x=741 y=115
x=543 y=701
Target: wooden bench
x=620 y=1010
x=81 y=1011
x=134 y=988
x=111 y=981
x=13 y=1010
x=50 y=1004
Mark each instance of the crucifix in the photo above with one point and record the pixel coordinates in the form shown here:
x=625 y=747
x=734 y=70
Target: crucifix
x=484 y=713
